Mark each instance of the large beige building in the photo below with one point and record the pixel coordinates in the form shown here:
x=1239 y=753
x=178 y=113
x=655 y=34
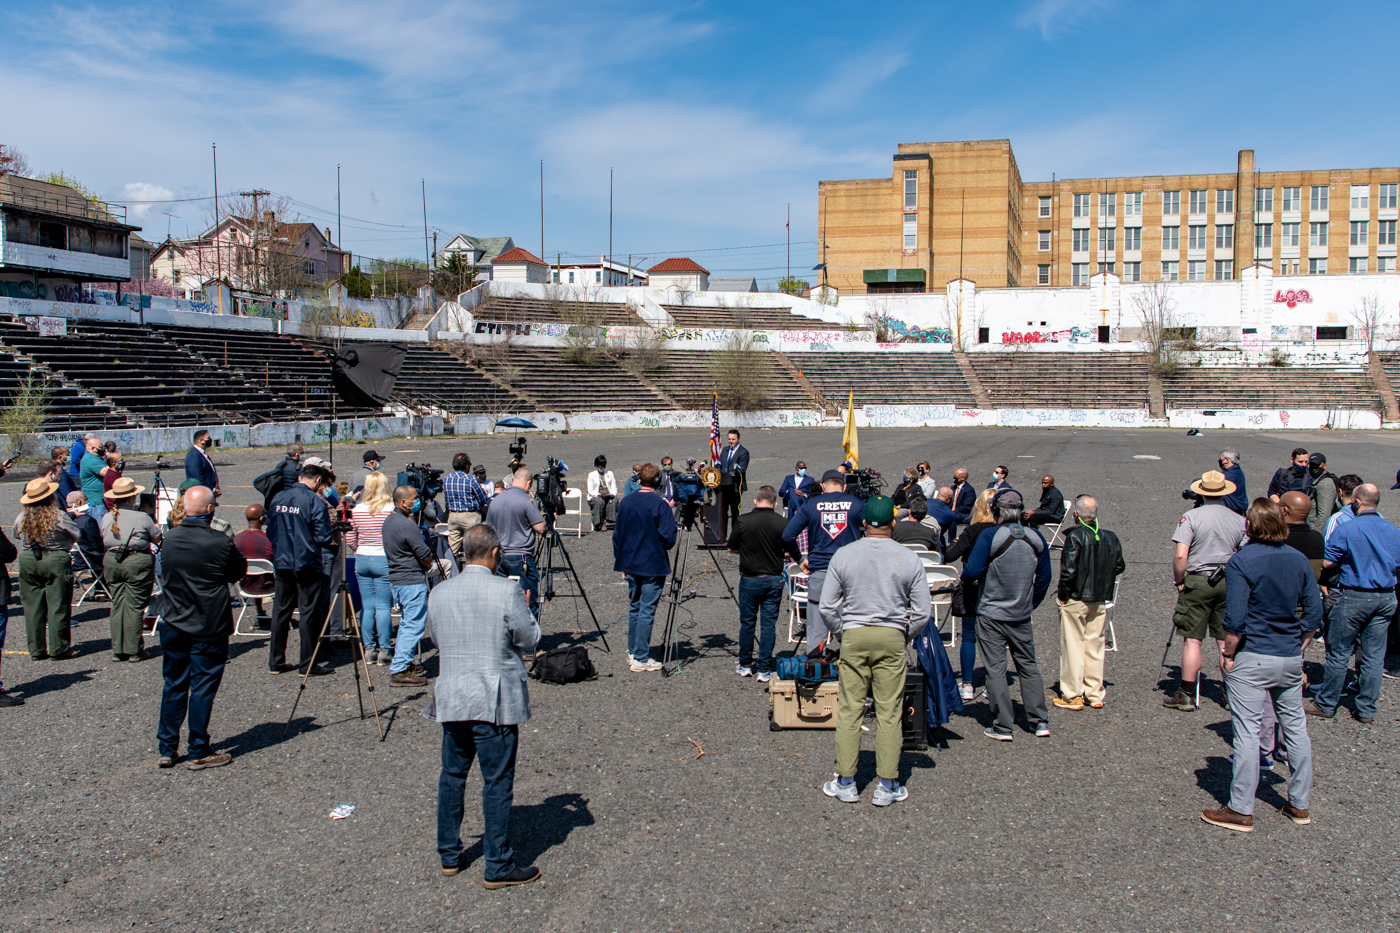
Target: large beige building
x=961 y=210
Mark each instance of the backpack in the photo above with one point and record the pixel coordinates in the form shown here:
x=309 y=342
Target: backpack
x=1017 y=533
x=806 y=672
x=563 y=666
x=269 y=484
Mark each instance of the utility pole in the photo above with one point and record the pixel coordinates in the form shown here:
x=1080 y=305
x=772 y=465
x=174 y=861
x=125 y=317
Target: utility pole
x=427 y=257
x=218 y=253
x=257 y=269
x=339 y=233
x=610 y=219
x=789 y=240
x=541 y=208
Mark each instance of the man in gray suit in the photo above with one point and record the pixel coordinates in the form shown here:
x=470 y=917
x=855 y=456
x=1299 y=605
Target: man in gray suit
x=483 y=629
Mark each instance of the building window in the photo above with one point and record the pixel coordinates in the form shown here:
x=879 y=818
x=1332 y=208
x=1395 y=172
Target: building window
x=1081 y=205
x=1043 y=241
x=1106 y=267
x=1263 y=236
x=1107 y=236
x=1385 y=231
x=1356 y=265
x=1386 y=197
x=1132 y=204
x=1132 y=272
x=597 y=276
x=1360 y=197
x=1043 y=274
x=1224 y=200
x=1080 y=240
x=1293 y=199
x=309 y=267
x=1171 y=271
x=1224 y=270
x=1132 y=239
x=175 y=276
x=1291 y=235
x=1196 y=237
x=1171 y=203
x=1196 y=271
x=911 y=231
x=571 y=276
x=1198 y=201
x=1263 y=199
x=1044 y=207
x=1225 y=236
x=1359 y=230
x=1385 y=264
x=1171 y=238
x=1316 y=267
x=911 y=188
x=555 y=276
x=1079 y=273
x=1317 y=234
x=1108 y=204
x=1318 y=201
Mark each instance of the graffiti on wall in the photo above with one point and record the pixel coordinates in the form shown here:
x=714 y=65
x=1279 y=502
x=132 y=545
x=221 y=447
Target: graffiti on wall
x=1068 y=335
x=1292 y=298
x=912 y=333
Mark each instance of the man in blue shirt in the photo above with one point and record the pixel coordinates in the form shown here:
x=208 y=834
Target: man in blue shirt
x=832 y=520
x=645 y=531
x=796 y=487
x=1237 y=501
x=464 y=499
x=75 y=456
x=1367 y=548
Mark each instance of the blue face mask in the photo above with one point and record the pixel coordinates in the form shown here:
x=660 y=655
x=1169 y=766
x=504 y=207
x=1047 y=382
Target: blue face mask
x=802 y=472
x=1300 y=470
x=417 y=504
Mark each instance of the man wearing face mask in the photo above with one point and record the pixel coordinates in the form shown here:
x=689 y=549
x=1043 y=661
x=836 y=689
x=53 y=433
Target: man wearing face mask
x=1000 y=479
x=1293 y=477
x=796 y=487
x=198 y=466
x=1237 y=501
x=299 y=526
x=602 y=493
x=668 y=483
x=408 y=558
x=1323 y=491
x=964 y=498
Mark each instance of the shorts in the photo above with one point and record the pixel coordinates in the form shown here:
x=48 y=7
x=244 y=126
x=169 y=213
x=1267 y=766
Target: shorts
x=1200 y=608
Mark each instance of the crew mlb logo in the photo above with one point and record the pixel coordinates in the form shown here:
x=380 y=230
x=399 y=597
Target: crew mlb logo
x=835 y=516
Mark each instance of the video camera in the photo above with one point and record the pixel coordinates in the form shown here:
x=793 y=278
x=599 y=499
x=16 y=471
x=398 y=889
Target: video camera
x=517 y=450
x=864 y=483
x=549 y=483
x=422 y=477
x=690 y=490
x=1195 y=497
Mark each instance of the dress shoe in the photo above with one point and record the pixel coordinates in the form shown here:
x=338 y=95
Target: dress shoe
x=1229 y=819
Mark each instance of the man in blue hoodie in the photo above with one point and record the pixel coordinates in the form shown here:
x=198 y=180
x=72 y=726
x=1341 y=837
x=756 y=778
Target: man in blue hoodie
x=832 y=520
x=1237 y=501
x=1292 y=478
x=645 y=530
x=299 y=526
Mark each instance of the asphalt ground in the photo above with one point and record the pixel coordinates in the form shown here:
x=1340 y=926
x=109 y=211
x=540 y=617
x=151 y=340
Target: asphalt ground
x=1094 y=828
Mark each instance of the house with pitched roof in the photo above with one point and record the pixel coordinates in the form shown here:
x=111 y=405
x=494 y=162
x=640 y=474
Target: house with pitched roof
x=681 y=273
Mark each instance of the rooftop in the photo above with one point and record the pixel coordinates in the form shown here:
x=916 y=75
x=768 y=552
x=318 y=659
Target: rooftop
x=519 y=255
x=678 y=264
x=46 y=198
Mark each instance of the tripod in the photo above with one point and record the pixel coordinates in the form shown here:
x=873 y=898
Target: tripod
x=544 y=561
x=690 y=512
x=352 y=631
x=161 y=492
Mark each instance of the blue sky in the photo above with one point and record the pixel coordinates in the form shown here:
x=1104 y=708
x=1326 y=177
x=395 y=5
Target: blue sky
x=714 y=116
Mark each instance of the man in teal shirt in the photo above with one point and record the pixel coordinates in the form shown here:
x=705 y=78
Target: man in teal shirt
x=90 y=478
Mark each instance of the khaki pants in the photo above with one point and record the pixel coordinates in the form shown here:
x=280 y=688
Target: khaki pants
x=1081 y=650
x=872 y=664
x=457 y=525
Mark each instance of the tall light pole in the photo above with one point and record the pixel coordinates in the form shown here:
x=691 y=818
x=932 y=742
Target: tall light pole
x=218 y=253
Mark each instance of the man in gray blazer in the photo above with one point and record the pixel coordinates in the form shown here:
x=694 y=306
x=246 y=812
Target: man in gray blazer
x=483 y=629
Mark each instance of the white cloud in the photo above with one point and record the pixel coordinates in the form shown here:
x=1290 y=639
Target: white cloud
x=1051 y=16
x=144 y=191
x=857 y=75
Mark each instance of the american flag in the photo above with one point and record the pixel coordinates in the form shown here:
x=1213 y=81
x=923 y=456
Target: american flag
x=714 y=430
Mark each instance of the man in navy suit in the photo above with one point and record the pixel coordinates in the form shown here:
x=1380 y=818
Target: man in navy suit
x=198 y=466
x=796 y=487
x=733 y=465
x=964 y=498
x=1000 y=479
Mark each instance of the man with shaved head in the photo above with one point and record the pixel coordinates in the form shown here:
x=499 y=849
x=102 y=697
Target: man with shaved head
x=1051 y=510
x=1367 y=549
x=1302 y=538
x=1091 y=562
x=964 y=498
x=408 y=556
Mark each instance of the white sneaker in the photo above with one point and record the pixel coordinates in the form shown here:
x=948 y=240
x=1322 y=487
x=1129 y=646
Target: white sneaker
x=883 y=798
x=642 y=667
x=763 y=677
x=846 y=793
x=1042 y=730
x=743 y=671
x=965 y=691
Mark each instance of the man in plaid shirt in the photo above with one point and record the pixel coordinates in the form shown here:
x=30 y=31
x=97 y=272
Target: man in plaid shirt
x=465 y=501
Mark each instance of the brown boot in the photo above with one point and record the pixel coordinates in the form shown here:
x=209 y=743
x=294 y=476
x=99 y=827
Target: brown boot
x=1296 y=815
x=1229 y=819
x=1180 y=700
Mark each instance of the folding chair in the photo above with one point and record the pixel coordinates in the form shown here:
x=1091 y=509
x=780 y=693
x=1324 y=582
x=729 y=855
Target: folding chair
x=570 y=512
x=942 y=580
x=1110 y=637
x=797 y=605
x=82 y=565
x=1059 y=529
x=929 y=557
x=257 y=567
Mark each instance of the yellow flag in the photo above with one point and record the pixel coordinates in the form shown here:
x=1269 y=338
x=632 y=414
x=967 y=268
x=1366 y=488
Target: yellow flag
x=849 y=442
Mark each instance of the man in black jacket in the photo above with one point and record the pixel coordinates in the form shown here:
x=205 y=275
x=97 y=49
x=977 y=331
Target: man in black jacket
x=8 y=554
x=196 y=566
x=299 y=526
x=1090 y=563
x=1051 y=510
x=733 y=466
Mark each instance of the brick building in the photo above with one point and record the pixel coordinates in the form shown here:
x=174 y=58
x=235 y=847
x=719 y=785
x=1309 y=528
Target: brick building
x=961 y=210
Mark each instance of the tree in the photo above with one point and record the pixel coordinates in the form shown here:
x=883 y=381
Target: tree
x=254 y=249
x=24 y=417
x=12 y=161
x=735 y=369
x=455 y=275
x=59 y=178
x=1156 y=312
x=357 y=284
x=792 y=285
x=1368 y=318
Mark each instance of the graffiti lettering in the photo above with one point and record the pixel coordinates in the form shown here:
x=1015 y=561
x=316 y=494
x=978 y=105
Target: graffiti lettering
x=1035 y=336
x=912 y=333
x=1292 y=298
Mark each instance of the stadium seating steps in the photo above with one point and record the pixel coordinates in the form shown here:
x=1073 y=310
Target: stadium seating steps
x=562 y=311
x=887 y=379
x=1268 y=387
x=690 y=376
x=1062 y=380
x=697 y=317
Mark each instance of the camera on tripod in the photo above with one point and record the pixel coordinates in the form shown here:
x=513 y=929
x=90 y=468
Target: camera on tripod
x=423 y=478
x=517 y=450
x=549 y=483
x=690 y=491
x=864 y=483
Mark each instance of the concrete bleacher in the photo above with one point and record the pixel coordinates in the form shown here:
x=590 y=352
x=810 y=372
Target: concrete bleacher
x=887 y=378
x=563 y=311
x=695 y=317
x=432 y=378
x=1214 y=388
x=689 y=377
x=543 y=374
x=65 y=409
x=1062 y=380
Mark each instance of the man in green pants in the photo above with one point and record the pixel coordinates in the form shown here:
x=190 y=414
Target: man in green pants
x=876 y=597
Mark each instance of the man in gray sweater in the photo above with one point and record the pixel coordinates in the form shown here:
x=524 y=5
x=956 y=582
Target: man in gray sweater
x=876 y=596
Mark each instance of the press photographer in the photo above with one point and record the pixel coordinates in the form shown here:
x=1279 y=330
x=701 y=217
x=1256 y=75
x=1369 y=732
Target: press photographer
x=646 y=530
x=299 y=525
x=408 y=558
x=517 y=520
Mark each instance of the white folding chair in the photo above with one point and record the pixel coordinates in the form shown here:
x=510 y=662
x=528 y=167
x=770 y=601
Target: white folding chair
x=257 y=567
x=1110 y=637
x=1059 y=529
x=440 y=528
x=575 y=514
x=929 y=557
x=797 y=605
x=942 y=580
x=82 y=565
x=912 y=545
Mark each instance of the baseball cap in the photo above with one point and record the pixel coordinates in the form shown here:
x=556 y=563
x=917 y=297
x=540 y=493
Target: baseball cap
x=372 y=454
x=189 y=483
x=1317 y=458
x=879 y=510
x=836 y=475
x=1008 y=499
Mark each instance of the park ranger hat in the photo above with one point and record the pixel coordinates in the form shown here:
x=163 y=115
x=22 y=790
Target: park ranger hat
x=1213 y=484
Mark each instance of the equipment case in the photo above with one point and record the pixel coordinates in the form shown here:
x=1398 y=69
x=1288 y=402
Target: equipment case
x=797 y=707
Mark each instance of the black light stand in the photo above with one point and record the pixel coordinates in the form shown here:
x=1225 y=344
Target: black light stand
x=544 y=563
x=691 y=512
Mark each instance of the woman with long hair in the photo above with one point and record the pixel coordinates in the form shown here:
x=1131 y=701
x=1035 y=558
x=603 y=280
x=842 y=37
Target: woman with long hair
x=980 y=520
x=129 y=568
x=372 y=567
x=45 y=534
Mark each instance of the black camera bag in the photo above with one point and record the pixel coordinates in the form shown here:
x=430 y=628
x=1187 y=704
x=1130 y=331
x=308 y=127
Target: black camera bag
x=563 y=666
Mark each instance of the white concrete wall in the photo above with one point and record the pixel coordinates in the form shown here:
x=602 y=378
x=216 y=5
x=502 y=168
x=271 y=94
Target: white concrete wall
x=112 y=268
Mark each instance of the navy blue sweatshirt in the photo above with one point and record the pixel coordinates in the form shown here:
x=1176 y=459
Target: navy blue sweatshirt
x=832 y=520
x=645 y=531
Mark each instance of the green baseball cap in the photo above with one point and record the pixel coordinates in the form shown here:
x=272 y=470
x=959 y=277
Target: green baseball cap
x=879 y=510
x=189 y=483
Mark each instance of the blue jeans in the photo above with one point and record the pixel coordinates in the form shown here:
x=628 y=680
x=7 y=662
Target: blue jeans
x=759 y=595
x=414 y=600
x=523 y=566
x=495 y=746
x=97 y=510
x=376 y=599
x=1359 y=619
x=193 y=670
x=967 y=651
x=643 y=593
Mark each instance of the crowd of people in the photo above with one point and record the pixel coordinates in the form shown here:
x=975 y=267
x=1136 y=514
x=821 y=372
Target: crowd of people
x=1311 y=561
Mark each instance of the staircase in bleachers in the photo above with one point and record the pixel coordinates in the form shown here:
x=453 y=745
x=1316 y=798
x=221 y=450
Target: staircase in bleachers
x=543 y=374
x=1062 y=380
x=66 y=409
x=689 y=377
x=519 y=309
x=887 y=378
x=1213 y=388
x=697 y=317
x=432 y=379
